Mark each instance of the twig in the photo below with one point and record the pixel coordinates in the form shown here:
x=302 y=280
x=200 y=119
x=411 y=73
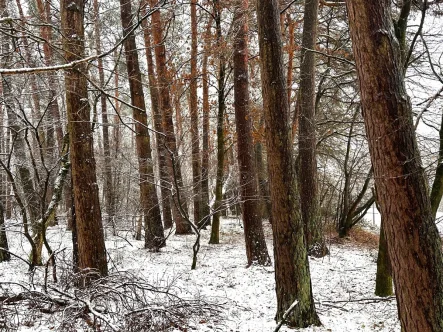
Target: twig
x=285 y=315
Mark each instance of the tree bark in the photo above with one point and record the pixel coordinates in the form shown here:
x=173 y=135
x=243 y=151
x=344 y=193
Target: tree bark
x=307 y=138
x=90 y=235
x=154 y=233
x=193 y=105
x=215 y=229
x=262 y=181
x=205 y=208
x=383 y=278
x=413 y=242
x=108 y=187
x=256 y=249
x=292 y=276
x=4 y=248
x=159 y=137
x=182 y=227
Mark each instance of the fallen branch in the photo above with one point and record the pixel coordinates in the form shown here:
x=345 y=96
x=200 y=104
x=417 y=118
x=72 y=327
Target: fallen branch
x=285 y=315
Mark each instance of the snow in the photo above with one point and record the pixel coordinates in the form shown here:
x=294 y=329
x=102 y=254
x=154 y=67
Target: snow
x=343 y=282
x=373 y=219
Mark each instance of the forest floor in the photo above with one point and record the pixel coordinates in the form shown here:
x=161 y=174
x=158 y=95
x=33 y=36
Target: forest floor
x=343 y=282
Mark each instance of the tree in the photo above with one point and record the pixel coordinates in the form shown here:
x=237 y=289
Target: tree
x=215 y=229
x=159 y=137
x=256 y=250
x=108 y=188
x=413 y=242
x=193 y=106
x=307 y=138
x=205 y=209
x=90 y=236
x=163 y=79
x=154 y=234
x=292 y=276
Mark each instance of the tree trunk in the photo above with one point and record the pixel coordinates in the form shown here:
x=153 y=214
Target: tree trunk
x=90 y=237
x=256 y=249
x=215 y=229
x=193 y=104
x=383 y=279
x=205 y=208
x=4 y=253
x=154 y=233
x=108 y=188
x=413 y=242
x=307 y=139
x=292 y=276
x=182 y=227
x=291 y=49
x=262 y=181
x=159 y=138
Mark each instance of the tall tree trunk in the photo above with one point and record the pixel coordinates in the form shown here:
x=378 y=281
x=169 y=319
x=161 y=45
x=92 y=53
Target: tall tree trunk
x=154 y=233
x=182 y=227
x=193 y=105
x=159 y=138
x=414 y=245
x=108 y=187
x=292 y=276
x=307 y=138
x=90 y=235
x=205 y=208
x=215 y=230
x=256 y=250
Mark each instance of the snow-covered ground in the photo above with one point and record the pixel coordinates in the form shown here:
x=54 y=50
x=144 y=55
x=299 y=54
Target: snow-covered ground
x=372 y=220
x=343 y=282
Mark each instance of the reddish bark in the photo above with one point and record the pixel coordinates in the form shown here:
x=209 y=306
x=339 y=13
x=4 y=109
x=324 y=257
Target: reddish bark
x=414 y=245
x=256 y=249
x=88 y=223
x=154 y=234
x=182 y=227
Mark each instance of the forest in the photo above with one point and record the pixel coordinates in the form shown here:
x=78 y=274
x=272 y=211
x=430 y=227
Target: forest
x=232 y=166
